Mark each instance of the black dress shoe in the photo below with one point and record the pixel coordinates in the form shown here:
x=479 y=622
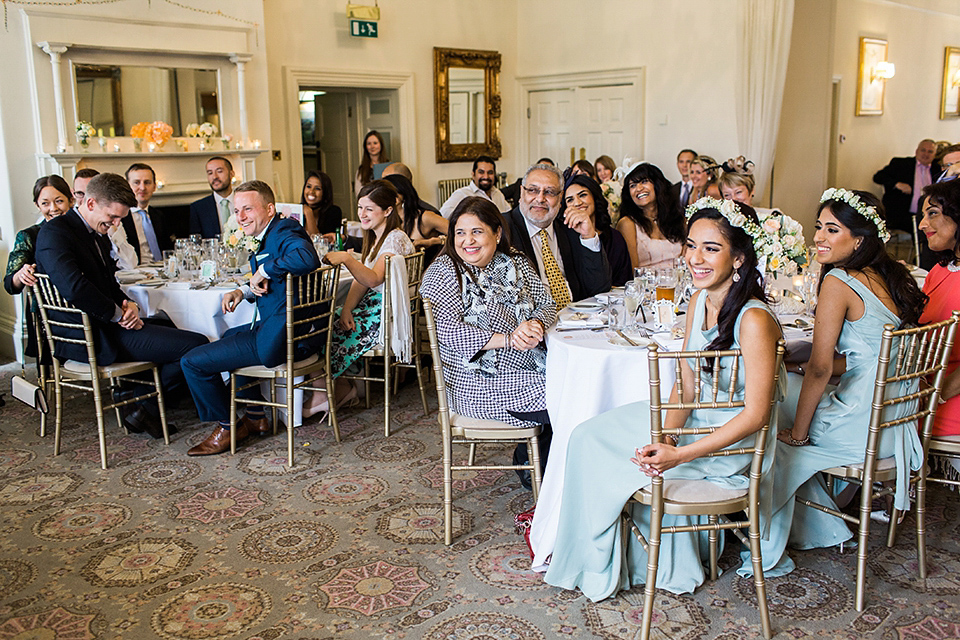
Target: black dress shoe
x=127 y=409
x=142 y=420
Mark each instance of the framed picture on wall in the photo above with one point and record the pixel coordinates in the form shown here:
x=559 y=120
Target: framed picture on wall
x=950 y=95
x=871 y=83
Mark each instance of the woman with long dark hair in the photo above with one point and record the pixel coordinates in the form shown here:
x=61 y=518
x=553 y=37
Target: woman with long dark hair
x=582 y=193
x=425 y=228
x=374 y=152
x=650 y=222
x=492 y=311
x=727 y=312
x=861 y=289
x=320 y=215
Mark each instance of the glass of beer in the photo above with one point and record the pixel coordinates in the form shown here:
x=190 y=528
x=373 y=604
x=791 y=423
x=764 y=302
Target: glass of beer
x=666 y=284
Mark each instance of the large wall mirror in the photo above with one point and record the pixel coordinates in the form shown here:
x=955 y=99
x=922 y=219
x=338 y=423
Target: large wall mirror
x=114 y=98
x=466 y=104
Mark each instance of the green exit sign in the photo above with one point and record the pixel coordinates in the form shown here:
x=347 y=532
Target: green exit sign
x=363 y=28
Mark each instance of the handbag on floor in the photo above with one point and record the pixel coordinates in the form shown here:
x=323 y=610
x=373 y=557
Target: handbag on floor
x=523 y=521
x=28 y=393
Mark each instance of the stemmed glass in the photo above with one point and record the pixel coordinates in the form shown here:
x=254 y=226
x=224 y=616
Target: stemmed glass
x=632 y=297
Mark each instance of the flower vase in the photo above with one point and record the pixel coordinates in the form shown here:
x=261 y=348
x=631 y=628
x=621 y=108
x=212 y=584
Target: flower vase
x=137 y=144
x=84 y=144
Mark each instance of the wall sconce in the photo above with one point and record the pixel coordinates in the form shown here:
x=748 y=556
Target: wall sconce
x=883 y=70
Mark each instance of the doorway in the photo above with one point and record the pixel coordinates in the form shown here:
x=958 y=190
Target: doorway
x=582 y=116
x=334 y=121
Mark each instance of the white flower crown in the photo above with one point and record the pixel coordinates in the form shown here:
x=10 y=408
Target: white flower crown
x=852 y=199
x=730 y=210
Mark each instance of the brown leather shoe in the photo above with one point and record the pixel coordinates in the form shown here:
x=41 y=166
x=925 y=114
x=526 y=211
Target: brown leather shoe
x=259 y=427
x=218 y=441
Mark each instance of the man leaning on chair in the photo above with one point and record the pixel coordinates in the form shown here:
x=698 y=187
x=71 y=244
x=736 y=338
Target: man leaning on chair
x=74 y=251
x=283 y=248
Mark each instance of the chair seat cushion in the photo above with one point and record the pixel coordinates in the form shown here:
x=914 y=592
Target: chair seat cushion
x=464 y=422
x=697 y=491
x=107 y=371
x=259 y=371
x=883 y=464
x=945 y=444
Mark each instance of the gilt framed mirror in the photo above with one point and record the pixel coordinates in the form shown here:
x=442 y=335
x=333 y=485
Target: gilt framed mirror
x=466 y=94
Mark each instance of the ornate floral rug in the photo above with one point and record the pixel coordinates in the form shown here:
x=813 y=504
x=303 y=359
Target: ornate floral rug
x=349 y=544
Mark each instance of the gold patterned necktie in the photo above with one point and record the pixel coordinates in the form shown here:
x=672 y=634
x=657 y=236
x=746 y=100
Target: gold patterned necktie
x=558 y=285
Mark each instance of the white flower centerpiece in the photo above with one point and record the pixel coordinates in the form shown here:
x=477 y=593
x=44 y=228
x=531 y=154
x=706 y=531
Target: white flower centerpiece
x=85 y=131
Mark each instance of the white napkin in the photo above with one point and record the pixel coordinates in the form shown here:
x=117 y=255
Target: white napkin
x=401 y=334
x=570 y=319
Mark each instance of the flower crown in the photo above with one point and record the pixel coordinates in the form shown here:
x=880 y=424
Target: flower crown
x=730 y=210
x=868 y=212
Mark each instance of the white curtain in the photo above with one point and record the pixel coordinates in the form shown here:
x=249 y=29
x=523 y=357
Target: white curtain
x=762 y=52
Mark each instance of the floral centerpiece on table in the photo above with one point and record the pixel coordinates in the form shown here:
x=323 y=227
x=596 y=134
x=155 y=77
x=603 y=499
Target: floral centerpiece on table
x=787 y=251
x=206 y=131
x=235 y=238
x=85 y=131
x=159 y=132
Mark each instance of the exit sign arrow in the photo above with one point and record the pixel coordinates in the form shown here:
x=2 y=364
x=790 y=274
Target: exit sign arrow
x=363 y=28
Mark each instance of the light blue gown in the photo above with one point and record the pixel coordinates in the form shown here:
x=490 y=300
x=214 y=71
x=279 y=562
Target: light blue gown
x=600 y=479
x=838 y=436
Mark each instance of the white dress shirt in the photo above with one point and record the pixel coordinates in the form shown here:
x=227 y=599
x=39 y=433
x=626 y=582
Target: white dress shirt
x=446 y=210
x=146 y=253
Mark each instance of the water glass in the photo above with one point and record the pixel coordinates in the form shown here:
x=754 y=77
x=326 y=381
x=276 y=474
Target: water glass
x=632 y=298
x=170 y=264
x=616 y=313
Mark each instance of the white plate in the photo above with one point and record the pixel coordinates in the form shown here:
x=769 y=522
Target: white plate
x=586 y=306
x=618 y=340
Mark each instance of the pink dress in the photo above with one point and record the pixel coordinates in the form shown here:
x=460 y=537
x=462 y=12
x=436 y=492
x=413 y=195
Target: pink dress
x=943 y=287
x=656 y=253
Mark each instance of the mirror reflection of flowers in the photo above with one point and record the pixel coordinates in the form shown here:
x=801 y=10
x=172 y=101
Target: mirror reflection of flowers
x=235 y=238
x=206 y=130
x=139 y=130
x=85 y=131
x=159 y=132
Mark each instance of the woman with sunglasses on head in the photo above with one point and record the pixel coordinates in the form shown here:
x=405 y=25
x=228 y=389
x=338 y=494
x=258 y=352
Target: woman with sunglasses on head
x=861 y=289
x=580 y=545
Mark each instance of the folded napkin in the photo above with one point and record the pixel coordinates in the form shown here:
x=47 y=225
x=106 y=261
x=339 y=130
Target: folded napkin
x=569 y=319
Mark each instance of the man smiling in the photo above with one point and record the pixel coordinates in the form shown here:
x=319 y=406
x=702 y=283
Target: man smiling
x=481 y=184
x=284 y=247
x=209 y=214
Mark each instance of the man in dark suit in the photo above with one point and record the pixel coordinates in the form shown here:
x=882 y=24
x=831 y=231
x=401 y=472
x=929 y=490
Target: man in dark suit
x=903 y=181
x=572 y=244
x=284 y=247
x=682 y=189
x=144 y=226
x=209 y=214
x=75 y=253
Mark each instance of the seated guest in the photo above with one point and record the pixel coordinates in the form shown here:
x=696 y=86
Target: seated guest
x=861 y=289
x=651 y=223
x=512 y=191
x=144 y=226
x=492 y=312
x=605 y=166
x=566 y=250
x=357 y=326
x=737 y=185
x=209 y=214
x=320 y=215
x=52 y=197
x=940 y=224
x=609 y=186
x=583 y=194
x=121 y=251
x=75 y=252
x=703 y=176
x=283 y=248
x=584 y=167
x=425 y=228
x=727 y=312
x=482 y=179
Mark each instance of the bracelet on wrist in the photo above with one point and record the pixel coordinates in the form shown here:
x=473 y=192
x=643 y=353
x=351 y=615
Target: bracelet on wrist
x=799 y=443
x=674 y=439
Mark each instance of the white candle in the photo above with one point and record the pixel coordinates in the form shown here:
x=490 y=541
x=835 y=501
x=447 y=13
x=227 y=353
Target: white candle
x=256 y=144
x=152 y=147
x=116 y=148
x=203 y=146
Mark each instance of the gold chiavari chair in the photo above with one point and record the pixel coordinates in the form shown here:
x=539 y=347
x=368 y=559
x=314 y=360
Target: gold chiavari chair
x=457 y=429
x=918 y=357
x=700 y=497
x=88 y=376
x=311 y=302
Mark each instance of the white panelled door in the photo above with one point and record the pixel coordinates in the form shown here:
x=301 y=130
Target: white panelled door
x=584 y=122
x=333 y=116
x=379 y=112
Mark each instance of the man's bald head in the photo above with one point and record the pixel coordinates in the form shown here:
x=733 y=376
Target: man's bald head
x=399 y=169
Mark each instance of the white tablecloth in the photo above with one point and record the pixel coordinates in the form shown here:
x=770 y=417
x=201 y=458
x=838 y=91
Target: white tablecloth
x=586 y=376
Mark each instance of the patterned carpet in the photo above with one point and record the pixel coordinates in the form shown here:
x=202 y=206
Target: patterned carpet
x=348 y=544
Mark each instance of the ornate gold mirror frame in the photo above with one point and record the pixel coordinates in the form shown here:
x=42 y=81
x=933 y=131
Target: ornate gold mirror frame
x=489 y=61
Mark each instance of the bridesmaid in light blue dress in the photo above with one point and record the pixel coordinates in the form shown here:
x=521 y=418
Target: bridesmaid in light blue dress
x=861 y=290
x=600 y=476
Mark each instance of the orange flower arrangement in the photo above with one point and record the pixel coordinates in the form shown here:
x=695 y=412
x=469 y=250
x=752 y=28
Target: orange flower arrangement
x=139 y=130
x=159 y=132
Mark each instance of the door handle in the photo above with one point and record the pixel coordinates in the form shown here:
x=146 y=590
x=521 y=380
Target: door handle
x=573 y=155
x=583 y=153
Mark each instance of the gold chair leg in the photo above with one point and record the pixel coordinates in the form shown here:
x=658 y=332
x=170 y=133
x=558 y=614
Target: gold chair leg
x=98 y=405
x=472 y=454
x=862 y=540
x=653 y=558
x=922 y=522
x=447 y=490
x=421 y=381
x=273 y=400
x=366 y=383
x=331 y=401
x=386 y=393
x=533 y=452
x=757 y=560
x=233 y=414
x=290 y=388
x=161 y=406
x=58 y=392
x=43 y=382
x=712 y=539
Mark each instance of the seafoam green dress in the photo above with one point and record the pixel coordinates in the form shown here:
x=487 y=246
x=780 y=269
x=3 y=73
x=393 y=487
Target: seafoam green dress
x=838 y=436
x=600 y=479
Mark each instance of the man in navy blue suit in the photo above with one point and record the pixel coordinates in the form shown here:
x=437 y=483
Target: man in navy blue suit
x=209 y=214
x=75 y=253
x=284 y=247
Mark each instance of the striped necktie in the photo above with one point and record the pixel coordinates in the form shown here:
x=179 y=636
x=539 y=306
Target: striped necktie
x=558 y=285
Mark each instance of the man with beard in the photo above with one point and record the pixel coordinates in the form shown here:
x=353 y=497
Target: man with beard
x=209 y=214
x=484 y=174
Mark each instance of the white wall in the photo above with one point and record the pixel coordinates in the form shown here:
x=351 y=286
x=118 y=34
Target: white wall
x=916 y=34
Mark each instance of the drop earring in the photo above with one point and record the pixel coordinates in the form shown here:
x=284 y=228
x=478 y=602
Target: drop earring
x=736 y=276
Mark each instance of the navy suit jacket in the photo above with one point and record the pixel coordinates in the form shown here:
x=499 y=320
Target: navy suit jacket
x=67 y=252
x=204 y=217
x=130 y=227
x=587 y=272
x=285 y=248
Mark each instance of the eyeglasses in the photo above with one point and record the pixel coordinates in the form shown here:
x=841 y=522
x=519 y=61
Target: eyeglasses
x=946 y=176
x=550 y=192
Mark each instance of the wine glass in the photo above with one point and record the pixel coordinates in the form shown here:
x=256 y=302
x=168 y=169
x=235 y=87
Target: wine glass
x=632 y=298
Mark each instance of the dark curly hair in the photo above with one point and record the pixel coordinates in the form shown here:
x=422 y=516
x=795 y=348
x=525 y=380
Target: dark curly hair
x=947 y=196
x=669 y=216
x=601 y=211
